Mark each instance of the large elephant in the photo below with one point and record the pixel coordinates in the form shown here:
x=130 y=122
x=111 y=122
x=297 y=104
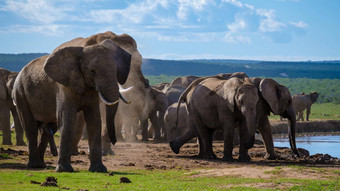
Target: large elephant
x=302 y=102
x=53 y=88
x=274 y=98
x=218 y=103
x=183 y=81
x=7 y=79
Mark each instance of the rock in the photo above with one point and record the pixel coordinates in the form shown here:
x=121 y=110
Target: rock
x=124 y=180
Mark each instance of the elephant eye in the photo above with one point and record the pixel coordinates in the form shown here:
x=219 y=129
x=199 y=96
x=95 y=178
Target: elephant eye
x=93 y=72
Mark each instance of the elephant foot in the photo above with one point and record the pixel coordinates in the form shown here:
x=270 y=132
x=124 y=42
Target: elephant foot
x=54 y=152
x=228 y=158
x=145 y=140
x=64 y=168
x=244 y=158
x=20 y=143
x=36 y=164
x=207 y=156
x=174 y=148
x=97 y=167
x=74 y=152
x=7 y=142
x=270 y=156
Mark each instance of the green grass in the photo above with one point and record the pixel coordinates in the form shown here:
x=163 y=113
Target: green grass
x=323 y=111
x=149 y=180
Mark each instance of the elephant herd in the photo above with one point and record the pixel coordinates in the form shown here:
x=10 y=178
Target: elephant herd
x=96 y=84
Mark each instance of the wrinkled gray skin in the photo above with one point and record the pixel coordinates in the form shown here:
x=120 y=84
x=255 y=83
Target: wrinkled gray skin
x=159 y=102
x=7 y=79
x=274 y=98
x=217 y=103
x=183 y=126
x=183 y=81
x=302 y=102
x=53 y=88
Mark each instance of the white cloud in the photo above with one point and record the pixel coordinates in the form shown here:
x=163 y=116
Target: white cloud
x=48 y=30
x=269 y=22
x=299 y=24
x=35 y=10
x=186 y=5
x=234 y=2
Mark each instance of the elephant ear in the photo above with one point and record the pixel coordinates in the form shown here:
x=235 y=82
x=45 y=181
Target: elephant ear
x=230 y=89
x=122 y=59
x=3 y=90
x=271 y=93
x=63 y=66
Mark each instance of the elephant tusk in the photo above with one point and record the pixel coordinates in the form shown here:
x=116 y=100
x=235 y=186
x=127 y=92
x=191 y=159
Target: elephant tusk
x=122 y=90
x=107 y=102
x=123 y=99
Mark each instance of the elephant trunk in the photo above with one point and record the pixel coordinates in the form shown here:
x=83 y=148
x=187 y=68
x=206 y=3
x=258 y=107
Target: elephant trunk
x=110 y=96
x=110 y=122
x=250 y=121
x=291 y=130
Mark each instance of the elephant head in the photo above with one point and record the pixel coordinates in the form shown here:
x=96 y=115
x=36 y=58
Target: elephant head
x=314 y=96
x=100 y=67
x=279 y=102
x=243 y=97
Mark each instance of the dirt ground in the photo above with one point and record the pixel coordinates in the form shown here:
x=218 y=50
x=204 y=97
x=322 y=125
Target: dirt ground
x=150 y=156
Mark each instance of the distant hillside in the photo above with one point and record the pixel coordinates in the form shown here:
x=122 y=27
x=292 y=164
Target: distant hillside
x=14 y=62
x=316 y=70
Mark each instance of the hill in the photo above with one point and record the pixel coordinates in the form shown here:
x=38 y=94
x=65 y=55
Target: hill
x=316 y=70
x=15 y=62
x=156 y=67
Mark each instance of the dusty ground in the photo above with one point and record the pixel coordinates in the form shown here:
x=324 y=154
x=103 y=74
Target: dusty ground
x=152 y=156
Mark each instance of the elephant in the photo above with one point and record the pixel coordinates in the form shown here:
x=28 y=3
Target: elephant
x=183 y=81
x=302 y=102
x=53 y=88
x=159 y=102
x=183 y=126
x=172 y=93
x=274 y=98
x=161 y=86
x=7 y=79
x=218 y=103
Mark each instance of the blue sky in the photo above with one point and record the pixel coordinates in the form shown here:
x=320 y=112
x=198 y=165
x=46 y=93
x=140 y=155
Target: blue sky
x=180 y=29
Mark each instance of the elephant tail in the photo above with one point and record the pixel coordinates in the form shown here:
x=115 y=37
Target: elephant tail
x=184 y=96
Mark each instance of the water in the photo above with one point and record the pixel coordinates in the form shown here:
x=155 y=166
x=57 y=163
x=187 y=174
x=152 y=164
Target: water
x=329 y=144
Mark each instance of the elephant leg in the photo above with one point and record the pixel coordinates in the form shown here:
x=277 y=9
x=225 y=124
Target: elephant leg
x=204 y=134
x=19 y=132
x=5 y=125
x=243 y=152
x=228 y=133
x=78 y=133
x=266 y=133
x=30 y=126
x=301 y=116
x=156 y=124
x=66 y=123
x=144 y=124
x=211 y=137
x=307 y=113
x=45 y=135
x=52 y=129
x=93 y=127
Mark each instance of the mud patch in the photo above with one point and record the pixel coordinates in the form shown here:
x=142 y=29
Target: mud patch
x=263 y=172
